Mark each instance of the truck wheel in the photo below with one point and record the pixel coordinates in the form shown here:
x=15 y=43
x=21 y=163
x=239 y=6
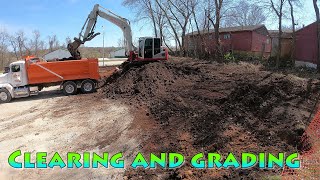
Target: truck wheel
x=5 y=96
x=87 y=86
x=69 y=88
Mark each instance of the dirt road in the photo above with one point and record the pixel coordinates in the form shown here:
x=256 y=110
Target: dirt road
x=51 y=123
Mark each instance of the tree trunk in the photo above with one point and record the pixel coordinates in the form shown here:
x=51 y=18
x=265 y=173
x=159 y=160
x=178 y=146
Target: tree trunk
x=200 y=46
x=14 y=49
x=293 y=34
x=152 y=18
x=2 y=57
x=164 y=41
x=279 y=41
x=183 y=35
x=279 y=15
x=218 y=53
x=161 y=35
x=316 y=9
x=171 y=25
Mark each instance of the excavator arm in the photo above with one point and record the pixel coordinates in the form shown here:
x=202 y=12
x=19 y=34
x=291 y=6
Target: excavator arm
x=87 y=32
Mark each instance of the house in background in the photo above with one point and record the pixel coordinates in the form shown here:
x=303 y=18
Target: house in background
x=286 y=43
x=121 y=53
x=248 y=39
x=306 y=49
x=57 y=54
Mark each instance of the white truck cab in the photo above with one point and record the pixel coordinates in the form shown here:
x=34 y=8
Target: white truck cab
x=14 y=83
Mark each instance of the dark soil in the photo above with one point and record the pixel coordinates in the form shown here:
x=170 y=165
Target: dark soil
x=203 y=107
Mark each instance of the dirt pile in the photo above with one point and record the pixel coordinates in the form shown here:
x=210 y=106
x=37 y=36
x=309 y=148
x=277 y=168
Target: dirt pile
x=205 y=107
x=140 y=82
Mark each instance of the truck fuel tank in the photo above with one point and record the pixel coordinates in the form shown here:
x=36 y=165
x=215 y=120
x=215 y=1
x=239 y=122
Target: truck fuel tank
x=34 y=90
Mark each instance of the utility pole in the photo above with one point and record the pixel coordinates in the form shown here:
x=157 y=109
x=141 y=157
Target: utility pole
x=103 y=55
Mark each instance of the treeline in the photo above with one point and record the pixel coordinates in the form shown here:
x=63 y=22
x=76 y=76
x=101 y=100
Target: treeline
x=96 y=52
x=173 y=19
x=15 y=46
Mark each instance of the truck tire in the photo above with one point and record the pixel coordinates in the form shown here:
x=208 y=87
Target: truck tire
x=5 y=96
x=87 y=86
x=69 y=88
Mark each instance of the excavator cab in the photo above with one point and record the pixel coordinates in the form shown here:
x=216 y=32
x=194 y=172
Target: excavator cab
x=151 y=49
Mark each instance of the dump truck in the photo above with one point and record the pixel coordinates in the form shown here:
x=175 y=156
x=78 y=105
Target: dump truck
x=29 y=76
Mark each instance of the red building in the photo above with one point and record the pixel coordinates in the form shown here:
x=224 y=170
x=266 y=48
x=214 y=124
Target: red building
x=306 y=51
x=249 y=39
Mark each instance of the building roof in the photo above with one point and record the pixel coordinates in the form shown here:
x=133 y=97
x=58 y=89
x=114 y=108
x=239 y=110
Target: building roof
x=285 y=33
x=229 y=29
x=57 y=50
x=57 y=54
x=304 y=27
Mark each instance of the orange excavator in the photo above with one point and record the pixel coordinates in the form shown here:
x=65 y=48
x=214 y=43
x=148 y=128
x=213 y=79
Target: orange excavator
x=150 y=48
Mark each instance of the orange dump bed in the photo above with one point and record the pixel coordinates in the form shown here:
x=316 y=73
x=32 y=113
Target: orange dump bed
x=51 y=72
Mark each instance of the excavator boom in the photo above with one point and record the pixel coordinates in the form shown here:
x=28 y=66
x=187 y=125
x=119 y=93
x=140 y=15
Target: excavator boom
x=87 y=32
x=150 y=48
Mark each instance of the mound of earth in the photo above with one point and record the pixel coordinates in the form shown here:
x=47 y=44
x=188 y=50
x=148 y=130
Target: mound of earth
x=202 y=107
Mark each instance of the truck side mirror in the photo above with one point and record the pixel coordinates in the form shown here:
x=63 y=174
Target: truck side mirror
x=6 y=70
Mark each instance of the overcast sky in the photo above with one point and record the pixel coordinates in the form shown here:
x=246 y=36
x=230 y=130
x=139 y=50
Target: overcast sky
x=65 y=18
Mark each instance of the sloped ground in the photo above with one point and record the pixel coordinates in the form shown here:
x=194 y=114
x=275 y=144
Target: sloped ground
x=195 y=106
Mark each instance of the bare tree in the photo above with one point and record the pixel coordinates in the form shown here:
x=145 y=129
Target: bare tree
x=166 y=15
x=145 y=9
x=21 y=42
x=3 y=46
x=215 y=19
x=121 y=43
x=68 y=40
x=170 y=20
x=316 y=9
x=14 y=45
x=245 y=14
x=35 y=42
x=277 y=7
x=199 y=22
x=150 y=9
x=160 y=22
x=53 y=43
x=181 y=12
x=293 y=4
